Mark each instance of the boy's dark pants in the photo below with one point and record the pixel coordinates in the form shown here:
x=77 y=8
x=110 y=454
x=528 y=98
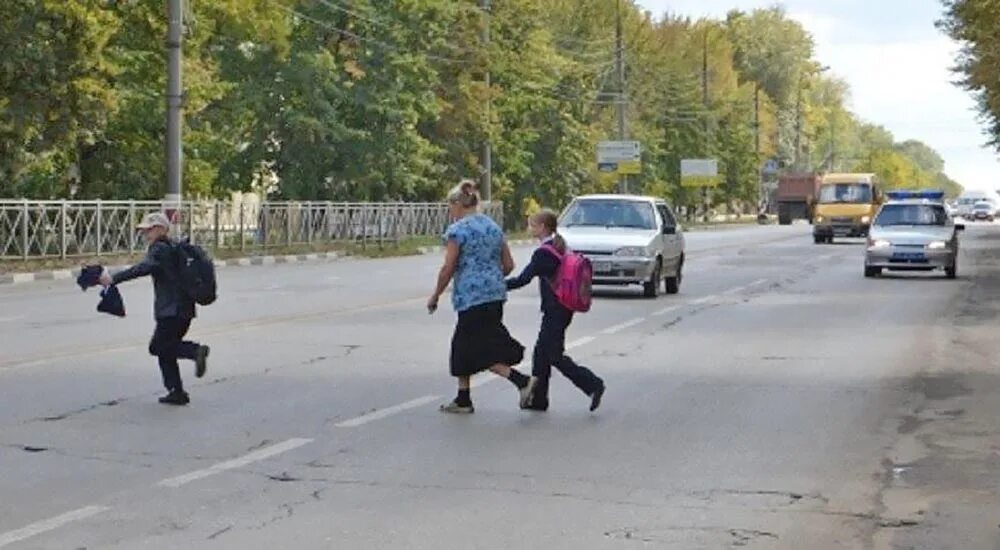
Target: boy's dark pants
x=168 y=345
x=550 y=351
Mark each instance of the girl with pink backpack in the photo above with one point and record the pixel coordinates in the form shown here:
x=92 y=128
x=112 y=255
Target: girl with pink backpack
x=564 y=284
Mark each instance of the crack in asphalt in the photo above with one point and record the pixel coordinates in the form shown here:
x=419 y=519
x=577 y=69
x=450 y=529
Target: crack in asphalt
x=738 y=537
x=36 y=449
x=348 y=349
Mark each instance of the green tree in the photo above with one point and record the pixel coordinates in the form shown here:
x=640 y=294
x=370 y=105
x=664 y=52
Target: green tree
x=976 y=25
x=56 y=91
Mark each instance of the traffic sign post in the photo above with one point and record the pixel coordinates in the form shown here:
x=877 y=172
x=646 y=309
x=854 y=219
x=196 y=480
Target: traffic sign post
x=770 y=167
x=621 y=158
x=700 y=173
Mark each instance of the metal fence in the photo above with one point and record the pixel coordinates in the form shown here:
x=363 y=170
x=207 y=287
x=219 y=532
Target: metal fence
x=66 y=229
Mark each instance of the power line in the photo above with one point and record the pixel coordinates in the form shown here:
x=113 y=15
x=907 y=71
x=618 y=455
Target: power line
x=385 y=46
x=354 y=14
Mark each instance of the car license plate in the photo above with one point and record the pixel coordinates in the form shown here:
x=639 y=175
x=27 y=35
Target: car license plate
x=909 y=256
x=601 y=266
x=841 y=231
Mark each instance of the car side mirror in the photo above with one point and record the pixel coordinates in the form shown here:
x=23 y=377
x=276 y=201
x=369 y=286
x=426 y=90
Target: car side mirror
x=959 y=227
x=669 y=229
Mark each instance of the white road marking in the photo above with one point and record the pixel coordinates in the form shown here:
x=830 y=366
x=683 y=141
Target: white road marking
x=704 y=299
x=11 y=319
x=50 y=524
x=622 y=326
x=579 y=342
x=250 y=458
x=665 y=311
x=389 y=411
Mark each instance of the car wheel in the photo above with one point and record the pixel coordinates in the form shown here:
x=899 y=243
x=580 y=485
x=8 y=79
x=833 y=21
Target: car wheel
x=673 y=284
x=872 y=271
x=819 y=240
x=951 y=272
x=651 y=288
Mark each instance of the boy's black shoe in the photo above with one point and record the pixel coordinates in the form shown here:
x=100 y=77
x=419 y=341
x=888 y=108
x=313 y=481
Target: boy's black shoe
x=201 y=361
x=175 y=398
x=595 y=399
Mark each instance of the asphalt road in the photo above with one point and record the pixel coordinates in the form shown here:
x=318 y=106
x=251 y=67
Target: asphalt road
x=780 y=401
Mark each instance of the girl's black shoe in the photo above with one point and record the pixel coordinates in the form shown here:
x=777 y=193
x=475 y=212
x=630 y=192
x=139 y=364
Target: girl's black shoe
x=176 y=398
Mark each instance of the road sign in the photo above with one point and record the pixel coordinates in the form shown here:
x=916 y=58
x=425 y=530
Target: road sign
x=699 y=173
x=630 y=167
x=619 y=157
x=618 y=151
x=770 y=167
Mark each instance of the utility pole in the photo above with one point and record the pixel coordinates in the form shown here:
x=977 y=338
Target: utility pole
x=175 y=105
x=833 y=142
x=622 y=96
x=486 y=155
x=798 y=127
x=756 y=138
x=704 y=102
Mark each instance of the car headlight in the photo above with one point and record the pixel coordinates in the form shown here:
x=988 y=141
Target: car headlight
x=880 y=243
x=631 y=251
x=819 y=219
x=937 y=245
x=866 y=219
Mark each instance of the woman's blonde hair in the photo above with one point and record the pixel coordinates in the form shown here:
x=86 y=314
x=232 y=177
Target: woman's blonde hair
x=550 y=220
x=466 y=194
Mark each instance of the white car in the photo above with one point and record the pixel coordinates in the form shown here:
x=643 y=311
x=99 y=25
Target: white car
x=913 y=232
x=628 y=239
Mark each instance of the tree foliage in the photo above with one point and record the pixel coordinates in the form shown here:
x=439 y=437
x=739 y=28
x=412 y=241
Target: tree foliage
x=373 y=100
x=976 y=25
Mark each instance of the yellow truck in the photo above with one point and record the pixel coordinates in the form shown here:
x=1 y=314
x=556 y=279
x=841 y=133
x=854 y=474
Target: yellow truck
x=845 y=206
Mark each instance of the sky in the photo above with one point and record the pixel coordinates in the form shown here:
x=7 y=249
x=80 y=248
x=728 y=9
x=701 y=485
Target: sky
x=898 y=66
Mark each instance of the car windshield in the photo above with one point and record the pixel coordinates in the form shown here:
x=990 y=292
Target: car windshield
x=610 y=213
x=911 y=214
x=845 y=193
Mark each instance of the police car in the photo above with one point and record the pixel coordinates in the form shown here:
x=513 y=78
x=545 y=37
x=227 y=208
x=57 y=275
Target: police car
x=913 y=232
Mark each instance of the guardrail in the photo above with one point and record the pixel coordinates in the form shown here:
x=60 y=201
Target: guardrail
x=66 y=229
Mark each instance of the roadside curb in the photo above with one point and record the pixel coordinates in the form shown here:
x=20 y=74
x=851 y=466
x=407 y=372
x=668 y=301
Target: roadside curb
x=70 y=274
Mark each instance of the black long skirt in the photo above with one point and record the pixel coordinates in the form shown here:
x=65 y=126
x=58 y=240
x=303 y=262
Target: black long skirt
x=481 y=340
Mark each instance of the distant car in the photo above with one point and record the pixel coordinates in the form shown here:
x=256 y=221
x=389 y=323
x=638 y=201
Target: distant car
x=963 y=208
x=628 y=239
x=983 y=211
x=913 y=233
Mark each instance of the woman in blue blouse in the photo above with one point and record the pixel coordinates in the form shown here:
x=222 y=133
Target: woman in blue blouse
x=477 y=259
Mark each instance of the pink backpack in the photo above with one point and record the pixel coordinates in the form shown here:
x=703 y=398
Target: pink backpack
x=572 y=281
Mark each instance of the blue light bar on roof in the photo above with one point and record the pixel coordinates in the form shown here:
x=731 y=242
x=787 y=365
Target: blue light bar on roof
x=930 y=194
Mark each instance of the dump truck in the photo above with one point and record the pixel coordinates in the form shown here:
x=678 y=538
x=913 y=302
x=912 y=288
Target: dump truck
x=796 y=196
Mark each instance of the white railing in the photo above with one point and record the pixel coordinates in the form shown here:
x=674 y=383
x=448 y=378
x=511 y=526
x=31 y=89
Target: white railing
x=66 y=229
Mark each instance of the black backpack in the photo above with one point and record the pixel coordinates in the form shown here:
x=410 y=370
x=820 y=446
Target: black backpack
x=195 y=273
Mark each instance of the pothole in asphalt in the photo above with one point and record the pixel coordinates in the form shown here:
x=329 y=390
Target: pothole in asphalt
x=938 y=387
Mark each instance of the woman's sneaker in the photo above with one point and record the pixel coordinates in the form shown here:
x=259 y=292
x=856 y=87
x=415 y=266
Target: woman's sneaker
x=455 y=408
